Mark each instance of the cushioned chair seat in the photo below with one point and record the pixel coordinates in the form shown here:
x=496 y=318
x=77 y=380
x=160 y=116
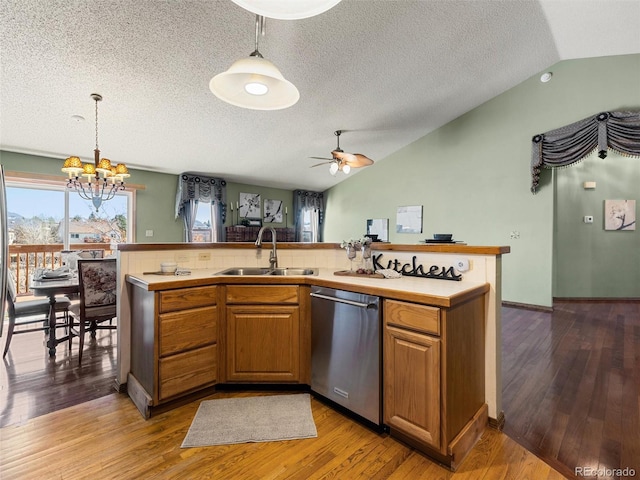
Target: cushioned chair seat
x=31 y=312
x=40 y=306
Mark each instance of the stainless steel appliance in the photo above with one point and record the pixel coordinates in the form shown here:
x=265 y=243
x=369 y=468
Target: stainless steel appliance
x=346 y=350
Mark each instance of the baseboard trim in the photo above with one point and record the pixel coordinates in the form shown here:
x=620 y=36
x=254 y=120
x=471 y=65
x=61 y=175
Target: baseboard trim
x=527 y=306
x=119 y=387
x=497 y=423
x=596 y=300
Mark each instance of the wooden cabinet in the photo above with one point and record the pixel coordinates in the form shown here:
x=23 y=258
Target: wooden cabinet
x=434 y=376
x=262 y=333
x=174 y=336
x=412 y=387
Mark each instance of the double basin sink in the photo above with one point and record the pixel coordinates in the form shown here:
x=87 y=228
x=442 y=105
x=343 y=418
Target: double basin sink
x=268 y=271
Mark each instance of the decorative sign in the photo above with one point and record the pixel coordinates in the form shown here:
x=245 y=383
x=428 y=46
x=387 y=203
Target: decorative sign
x=415 y=270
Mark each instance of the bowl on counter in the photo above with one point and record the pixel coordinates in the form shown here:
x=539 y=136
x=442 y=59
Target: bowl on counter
x=168 y=267
x=442 y=236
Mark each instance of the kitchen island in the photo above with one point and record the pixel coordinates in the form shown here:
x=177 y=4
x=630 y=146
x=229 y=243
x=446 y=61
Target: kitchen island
x=434 y=327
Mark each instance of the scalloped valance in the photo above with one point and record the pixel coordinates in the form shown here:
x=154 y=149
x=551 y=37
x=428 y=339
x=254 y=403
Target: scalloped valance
x=200 y=188
x=618 y=131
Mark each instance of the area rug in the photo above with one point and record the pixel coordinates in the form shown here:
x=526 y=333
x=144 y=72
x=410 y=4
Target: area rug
x=251 y=419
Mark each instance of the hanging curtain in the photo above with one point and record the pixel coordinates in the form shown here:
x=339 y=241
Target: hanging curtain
x=618 y=131
x=311 y=203
x=189 y=210
x=192 y=189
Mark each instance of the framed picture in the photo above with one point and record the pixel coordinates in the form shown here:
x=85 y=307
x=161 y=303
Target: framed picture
x=409 y=219
x=378 y=227
x=272 y=211
x=619 y=214
x=249 y=205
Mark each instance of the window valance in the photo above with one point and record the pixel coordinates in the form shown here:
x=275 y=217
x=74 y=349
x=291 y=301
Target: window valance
x=619 y=131
x=202 y=189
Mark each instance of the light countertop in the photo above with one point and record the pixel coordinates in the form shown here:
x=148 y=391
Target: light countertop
x=443 y=293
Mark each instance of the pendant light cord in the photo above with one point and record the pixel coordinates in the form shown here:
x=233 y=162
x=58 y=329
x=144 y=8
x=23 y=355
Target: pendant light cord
x=260 y=20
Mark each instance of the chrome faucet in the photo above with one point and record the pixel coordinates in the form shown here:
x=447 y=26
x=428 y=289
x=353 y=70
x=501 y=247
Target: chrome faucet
x=273 y=256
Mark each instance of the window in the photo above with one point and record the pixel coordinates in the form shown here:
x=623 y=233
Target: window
x=53 y=214
x=201 y=231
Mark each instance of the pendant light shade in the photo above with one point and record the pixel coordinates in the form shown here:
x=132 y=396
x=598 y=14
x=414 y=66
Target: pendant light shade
x=254 y=83
x=287 y=9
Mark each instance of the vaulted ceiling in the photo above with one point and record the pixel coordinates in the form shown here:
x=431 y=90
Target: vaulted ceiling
x=385 y=72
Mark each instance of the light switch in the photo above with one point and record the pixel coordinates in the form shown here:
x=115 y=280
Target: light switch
x=588 y=219
x=589 y=185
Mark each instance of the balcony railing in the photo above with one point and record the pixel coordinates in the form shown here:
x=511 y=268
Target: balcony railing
x=25 y=259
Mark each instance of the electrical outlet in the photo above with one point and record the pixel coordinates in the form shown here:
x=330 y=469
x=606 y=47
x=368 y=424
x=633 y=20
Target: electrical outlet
x=148 y=233
x=514 y=235
x=182 y=257
x=204 y=256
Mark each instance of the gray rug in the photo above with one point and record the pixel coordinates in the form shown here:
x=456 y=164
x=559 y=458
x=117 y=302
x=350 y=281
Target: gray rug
x=252 y=419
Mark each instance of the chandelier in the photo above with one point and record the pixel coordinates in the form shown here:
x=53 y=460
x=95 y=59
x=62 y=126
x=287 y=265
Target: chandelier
x=101 y=179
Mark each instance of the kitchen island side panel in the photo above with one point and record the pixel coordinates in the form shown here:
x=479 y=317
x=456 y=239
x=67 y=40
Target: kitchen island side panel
x=143 y=343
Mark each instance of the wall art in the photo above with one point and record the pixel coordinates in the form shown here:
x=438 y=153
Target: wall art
x=619 y=214
x=409 y=219
x=272 y=211
x=250 y=205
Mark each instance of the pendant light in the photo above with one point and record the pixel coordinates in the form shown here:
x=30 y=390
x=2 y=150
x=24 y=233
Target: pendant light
x=254 y=82
x=287 y=9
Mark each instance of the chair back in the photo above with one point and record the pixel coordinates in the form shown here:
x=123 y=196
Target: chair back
x=97 y=285
x=11 y=294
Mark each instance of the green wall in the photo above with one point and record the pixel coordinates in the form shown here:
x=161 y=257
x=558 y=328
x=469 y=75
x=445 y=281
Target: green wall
x=286 y=196
x=472 y=176
x=155 y=204
x=590 y=261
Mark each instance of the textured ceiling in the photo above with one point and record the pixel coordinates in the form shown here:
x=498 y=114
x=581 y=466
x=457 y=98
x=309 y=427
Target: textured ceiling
x=385 y=72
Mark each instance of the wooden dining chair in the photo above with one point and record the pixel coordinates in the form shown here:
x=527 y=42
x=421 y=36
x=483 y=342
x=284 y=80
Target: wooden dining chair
x=97 y=286
x=32 y=313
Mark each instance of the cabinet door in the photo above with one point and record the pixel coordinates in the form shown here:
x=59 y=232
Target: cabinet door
x=412 y=384
x=263 y=343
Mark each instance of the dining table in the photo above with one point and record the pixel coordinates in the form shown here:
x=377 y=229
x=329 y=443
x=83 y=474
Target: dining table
x=50 y=287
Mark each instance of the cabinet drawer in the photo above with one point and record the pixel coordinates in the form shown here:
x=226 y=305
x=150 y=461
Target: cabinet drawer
x=410 y=315
x=187 y=329
x=187 y=371
x=262 y=294
x=183 y=298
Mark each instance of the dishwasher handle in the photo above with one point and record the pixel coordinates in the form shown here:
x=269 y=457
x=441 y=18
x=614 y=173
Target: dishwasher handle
x=371 y=305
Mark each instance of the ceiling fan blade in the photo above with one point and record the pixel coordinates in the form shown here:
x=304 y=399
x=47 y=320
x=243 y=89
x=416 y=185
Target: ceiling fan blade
x=344 y=156
x=322 y=158
x=360 y=161
x=319 y=164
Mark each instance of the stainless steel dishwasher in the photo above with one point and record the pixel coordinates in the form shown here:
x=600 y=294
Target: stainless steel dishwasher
x=346 y=350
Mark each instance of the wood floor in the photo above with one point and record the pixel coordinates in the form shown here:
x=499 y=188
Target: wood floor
x=571 y=384
x=571 y=394
x=107 y=438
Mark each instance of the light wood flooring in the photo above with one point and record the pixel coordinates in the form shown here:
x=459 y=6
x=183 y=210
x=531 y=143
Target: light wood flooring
x=570 y=380
x=108 y=439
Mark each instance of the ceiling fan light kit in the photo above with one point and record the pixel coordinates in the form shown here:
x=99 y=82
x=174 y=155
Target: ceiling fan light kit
x=287 y=9
x=343 y=161
x=254 y=82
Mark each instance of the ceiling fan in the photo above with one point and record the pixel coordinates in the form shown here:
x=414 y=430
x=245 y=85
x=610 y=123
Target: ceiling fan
x=342 y=160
